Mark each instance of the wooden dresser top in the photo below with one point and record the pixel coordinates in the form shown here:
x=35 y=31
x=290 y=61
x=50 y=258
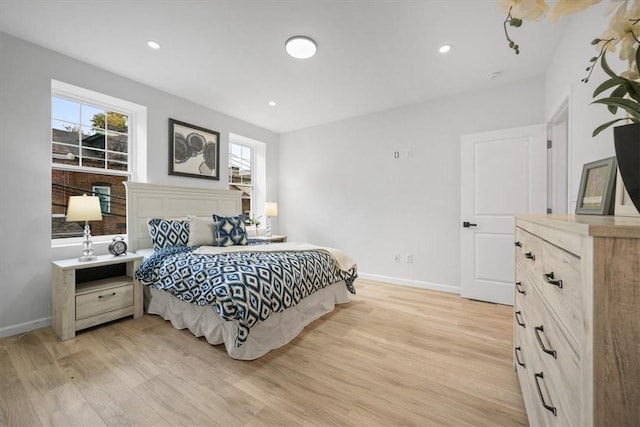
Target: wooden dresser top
x=591 y=225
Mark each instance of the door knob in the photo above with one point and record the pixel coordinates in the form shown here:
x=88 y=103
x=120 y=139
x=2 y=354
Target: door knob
x=468 y=224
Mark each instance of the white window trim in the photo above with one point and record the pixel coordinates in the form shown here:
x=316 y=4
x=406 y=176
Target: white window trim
x=259 y=171
x=137 y=141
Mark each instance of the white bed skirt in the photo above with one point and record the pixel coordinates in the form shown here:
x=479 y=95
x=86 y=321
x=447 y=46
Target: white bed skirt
x=276 y=331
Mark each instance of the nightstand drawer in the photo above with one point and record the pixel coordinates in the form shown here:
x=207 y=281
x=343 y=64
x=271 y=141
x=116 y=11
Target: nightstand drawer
x=103 y=301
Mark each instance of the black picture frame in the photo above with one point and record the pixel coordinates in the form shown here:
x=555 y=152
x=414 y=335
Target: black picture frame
x=194 y=151
x=597 y=187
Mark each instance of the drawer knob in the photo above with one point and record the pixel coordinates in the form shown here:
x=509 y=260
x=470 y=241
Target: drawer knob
x=552 y=409
x=518 y=244
x=538 y=330
x=519 y=288
x=550 y=278
x=519 y=350
x=107 y=296
x=530 y=256
x=518 y=321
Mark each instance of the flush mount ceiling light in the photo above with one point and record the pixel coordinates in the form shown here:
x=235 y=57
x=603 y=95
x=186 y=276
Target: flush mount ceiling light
x=300 y=47
x=272 y=103
x=444 y=48
x=153 y=45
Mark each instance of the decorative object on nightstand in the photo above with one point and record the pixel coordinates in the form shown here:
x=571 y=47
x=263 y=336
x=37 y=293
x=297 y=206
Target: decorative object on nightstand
x=90 y=293
x=118 y=246
x=85 y=208
x=270 y=209
x=251 y=220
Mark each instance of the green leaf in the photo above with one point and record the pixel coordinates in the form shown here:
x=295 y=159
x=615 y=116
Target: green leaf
x=604 y=126
x=606 y=68
x=631 y=107
x=619 y=92
x=515 y=22
x=607 y=84
x=633 y=89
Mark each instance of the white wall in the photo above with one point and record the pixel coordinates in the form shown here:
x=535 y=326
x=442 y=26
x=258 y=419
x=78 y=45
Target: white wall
x=340 y=185
x=26 y=71
x=563 y=81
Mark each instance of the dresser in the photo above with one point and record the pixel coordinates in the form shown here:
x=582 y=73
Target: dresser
x=577 y=319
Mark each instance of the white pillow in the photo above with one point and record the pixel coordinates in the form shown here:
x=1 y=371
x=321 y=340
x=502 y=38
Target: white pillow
x=201 y=231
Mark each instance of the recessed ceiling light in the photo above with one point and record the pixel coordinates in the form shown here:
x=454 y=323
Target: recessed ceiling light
x=153 y=45
x=272 y=103
x=444 y=48
x=300 y=47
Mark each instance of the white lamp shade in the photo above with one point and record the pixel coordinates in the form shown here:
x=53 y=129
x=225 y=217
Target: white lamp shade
x=84 y=208
x=271 y=209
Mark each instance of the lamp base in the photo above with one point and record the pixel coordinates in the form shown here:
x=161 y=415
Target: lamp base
x=268 y=233
x=87 y=251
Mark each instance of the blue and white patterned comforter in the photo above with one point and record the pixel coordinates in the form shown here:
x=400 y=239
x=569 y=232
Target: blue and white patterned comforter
x=246 y=286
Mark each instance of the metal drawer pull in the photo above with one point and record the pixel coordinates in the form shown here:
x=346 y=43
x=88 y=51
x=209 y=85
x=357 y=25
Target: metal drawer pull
x=549 y=278
x=548 y=407
x=518 y=321
x=107 y=296
x=539 y=329
x=519 y=349
x=518 y=244
x=531 y=256
x=518 y=288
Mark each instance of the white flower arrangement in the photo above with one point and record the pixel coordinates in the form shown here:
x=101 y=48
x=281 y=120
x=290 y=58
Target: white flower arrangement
x=622 y=35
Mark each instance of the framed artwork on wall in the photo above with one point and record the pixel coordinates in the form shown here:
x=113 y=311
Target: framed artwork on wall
x=597 y=185
x=193 y=151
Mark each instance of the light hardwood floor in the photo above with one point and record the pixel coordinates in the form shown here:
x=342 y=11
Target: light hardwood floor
x=392 y=356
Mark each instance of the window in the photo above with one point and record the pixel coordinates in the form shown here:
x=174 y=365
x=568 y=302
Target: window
x=241 y=174
x=91 y=153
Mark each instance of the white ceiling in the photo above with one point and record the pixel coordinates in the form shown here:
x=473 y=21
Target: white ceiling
x=229 y=55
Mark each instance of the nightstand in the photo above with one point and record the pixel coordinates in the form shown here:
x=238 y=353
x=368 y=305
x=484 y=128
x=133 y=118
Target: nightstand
x=86 y=294
x=273 y=239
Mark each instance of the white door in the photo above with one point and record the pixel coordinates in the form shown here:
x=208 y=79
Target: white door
x=502 y=173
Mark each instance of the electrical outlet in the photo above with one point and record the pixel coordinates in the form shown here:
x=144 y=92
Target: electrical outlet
x=409 y=258
x=396 y=257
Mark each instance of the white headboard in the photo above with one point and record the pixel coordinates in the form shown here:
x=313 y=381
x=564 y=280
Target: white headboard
x=146 y=201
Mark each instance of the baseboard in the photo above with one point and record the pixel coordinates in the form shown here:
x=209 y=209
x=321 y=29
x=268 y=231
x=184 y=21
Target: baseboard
x=411 y=283
x=24 y=327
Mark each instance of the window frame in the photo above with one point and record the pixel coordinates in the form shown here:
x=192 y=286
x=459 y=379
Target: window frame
x=136 y=143
x=252 y=186
x=259 y=174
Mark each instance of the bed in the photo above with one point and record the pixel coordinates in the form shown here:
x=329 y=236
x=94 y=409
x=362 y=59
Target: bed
x=251 y=298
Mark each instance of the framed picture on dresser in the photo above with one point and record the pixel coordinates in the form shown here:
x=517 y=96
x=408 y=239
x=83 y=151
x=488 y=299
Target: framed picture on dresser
x=597 y=186
x=624 y=205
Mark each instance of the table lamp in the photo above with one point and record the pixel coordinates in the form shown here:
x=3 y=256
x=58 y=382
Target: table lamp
x=85 y=208
x=270 y=209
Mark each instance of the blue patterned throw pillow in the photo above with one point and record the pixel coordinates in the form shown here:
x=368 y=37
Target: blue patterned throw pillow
x=166 y=233
x=230 y=230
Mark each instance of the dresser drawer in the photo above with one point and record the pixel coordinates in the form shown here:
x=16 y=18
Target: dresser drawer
x=522 y=286
x=562 y=289
x=553 y=354
x=528 y=253
x=104 y=300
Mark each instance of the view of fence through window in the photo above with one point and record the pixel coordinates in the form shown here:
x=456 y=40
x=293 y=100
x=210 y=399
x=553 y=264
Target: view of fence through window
x=89 y=155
